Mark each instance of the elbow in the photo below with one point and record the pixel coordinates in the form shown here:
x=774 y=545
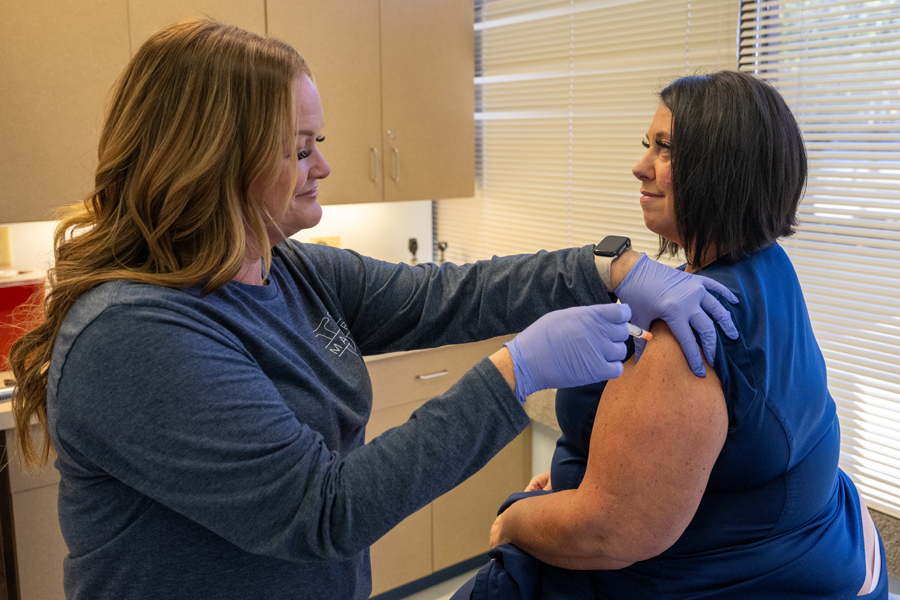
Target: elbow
x=624 y=534
x=621 y=546
x=305 y=540
x=336 y=544
x=320 y=549
x=632 y=551
x=607 y=553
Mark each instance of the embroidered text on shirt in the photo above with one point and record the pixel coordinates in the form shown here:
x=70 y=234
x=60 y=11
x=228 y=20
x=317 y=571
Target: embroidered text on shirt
x=338 y=336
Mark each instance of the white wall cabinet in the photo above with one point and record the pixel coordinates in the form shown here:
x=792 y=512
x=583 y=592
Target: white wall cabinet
x=396 y=81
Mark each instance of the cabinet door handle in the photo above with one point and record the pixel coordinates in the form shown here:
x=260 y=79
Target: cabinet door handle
x=433 y=375
x=396 y=176
x=375 y=168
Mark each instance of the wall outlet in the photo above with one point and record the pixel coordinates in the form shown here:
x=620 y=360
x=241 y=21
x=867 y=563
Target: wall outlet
x=331 y=240
x=5 y=247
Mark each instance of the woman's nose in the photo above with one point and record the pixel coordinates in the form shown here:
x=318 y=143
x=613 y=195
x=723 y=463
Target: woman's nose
x=322 y=169
x=643 y=169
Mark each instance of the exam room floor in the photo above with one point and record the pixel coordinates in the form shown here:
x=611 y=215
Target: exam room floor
x=444 y=590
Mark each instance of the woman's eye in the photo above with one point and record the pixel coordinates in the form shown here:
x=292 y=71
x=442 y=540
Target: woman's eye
x=659 y=142
x=301 y=154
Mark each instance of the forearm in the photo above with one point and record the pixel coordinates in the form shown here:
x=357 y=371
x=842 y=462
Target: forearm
x=405 y=308
x=553 y=529
x=444 y=442
x=502 y=359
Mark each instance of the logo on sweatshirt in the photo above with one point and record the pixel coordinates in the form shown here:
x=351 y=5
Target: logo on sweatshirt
x=337 y=336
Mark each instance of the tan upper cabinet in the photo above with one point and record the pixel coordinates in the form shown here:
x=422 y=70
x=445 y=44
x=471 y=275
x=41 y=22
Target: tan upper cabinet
x=396 y=81
x=340 y=41
x=428 y=99
x=395 y=78
x=59 y=61
x=149 y=16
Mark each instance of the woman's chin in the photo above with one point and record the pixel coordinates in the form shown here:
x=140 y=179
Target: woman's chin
x=314 y=217
x=306 y=217
x=661 y=229
x=652 y=224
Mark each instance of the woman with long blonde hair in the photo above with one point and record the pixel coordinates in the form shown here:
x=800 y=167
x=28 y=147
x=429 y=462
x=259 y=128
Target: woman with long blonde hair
x=199 y=376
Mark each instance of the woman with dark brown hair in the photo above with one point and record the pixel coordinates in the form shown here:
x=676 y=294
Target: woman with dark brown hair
x=666 y=485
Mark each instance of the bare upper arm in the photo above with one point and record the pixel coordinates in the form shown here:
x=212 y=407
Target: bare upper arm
x=657 y=433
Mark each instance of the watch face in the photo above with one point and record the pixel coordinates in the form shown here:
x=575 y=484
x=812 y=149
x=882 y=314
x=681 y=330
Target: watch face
x=612 y=245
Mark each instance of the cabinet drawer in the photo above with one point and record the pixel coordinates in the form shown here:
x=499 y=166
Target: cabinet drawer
x=40 y=548
x=383 y=419
x=404 y=377
x=462 y=518
x=21 y=480
x=456 y=526
x=404 y=554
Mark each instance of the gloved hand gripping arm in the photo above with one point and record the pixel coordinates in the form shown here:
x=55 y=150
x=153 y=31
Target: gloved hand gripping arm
x=570 y=347
x=655 y=291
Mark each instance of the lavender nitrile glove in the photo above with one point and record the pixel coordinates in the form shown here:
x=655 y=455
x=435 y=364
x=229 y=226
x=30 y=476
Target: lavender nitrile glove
x=655 y=291
x=570 y=347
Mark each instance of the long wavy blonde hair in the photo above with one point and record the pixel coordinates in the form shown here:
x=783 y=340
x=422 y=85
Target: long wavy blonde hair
x=201 y=111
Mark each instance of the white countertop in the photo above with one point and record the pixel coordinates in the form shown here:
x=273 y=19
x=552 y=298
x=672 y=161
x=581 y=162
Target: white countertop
x=10 y=276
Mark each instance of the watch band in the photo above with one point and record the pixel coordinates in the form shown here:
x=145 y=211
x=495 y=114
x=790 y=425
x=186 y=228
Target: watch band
x=604 y=269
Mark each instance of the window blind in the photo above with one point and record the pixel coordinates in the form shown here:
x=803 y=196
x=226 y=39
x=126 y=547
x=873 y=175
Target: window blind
x=565 y=91
x=837 y=64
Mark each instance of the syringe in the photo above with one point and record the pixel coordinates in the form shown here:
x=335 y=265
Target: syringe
x=637 y=332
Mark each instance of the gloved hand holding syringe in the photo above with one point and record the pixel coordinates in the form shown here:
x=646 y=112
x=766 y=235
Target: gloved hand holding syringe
x=586 y=344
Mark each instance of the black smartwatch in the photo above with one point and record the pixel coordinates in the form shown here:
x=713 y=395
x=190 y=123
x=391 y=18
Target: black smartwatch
x=612 y=246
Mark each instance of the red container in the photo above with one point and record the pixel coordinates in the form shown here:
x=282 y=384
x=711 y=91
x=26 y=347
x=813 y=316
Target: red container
x=14 y=292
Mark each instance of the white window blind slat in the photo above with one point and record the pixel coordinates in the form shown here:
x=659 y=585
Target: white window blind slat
x=791 y=83
x=878 y=403
x=797 y=36
x=873 y=442
x=798 y=10
x=859 y=156
x=869 y=263
x=838 y=66
x=564 y=9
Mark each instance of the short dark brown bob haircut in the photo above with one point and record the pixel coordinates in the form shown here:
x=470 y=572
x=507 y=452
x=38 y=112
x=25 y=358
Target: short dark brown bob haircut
x=738 y=165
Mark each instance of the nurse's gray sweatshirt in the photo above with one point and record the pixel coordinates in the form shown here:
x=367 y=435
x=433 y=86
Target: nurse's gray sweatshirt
x=211 y=447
